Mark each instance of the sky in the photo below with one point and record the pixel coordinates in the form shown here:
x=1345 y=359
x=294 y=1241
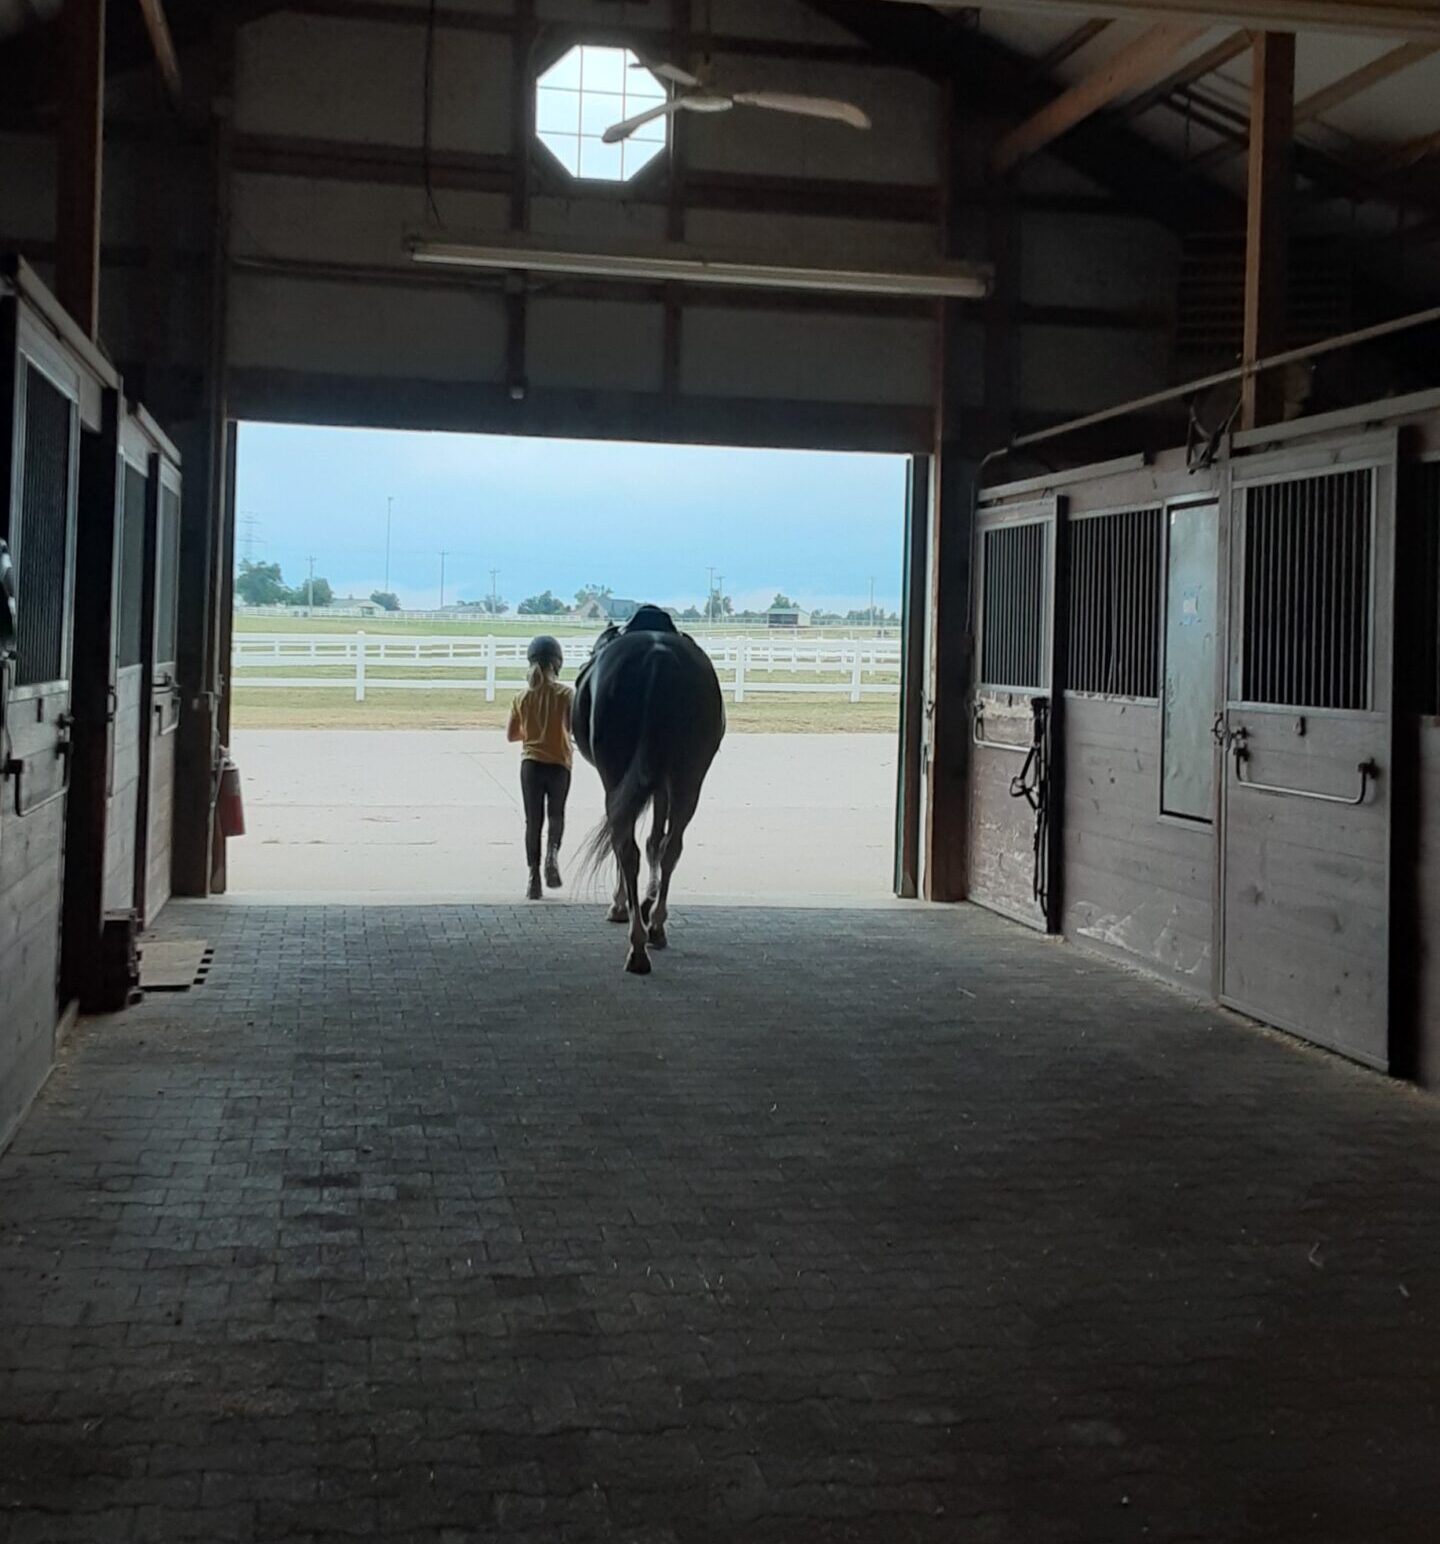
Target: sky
x=648 y=520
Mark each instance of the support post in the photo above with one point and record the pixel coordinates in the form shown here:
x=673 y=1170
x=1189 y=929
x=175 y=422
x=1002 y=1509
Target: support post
x=490 y=650
x=855 y=672
x=81 y=140
x=741 y=649
x=360 y=667
x=1269 y=194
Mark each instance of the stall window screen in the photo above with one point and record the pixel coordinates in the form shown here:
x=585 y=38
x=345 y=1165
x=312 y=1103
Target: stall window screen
x=167 y=588
x=1012 y=647
x=131 y=611
x=1306 y=640
x=1427 y=480
x=1115 y=604
x=40 y=578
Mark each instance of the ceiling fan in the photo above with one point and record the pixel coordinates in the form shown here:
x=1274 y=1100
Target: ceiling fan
x=690 y=92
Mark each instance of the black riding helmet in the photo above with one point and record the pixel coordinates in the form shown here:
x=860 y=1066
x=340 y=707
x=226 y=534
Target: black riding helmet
x=546 y=651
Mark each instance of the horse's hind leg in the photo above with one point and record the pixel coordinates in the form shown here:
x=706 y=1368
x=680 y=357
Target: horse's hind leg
x=654 y=848
x=627 y=854
x=618 y=912
x=682 y=811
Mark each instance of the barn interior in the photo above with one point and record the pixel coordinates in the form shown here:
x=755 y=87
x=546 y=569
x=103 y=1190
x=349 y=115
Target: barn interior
x=1090 y=1197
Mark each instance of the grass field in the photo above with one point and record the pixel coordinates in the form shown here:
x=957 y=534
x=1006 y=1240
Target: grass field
x=317 y=708
x=312 y=708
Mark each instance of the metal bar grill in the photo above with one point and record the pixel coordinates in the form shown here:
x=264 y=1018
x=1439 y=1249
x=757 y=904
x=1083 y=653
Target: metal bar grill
x=1012 y=646
x=1306 y=628
x=44 y=530
x=130 y=614
x=1115 y=604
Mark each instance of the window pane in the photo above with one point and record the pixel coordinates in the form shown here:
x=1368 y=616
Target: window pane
x=598 y=112
x=557 y=112
x=564 y=72
x=638 y=153
x=642 y=86
x=601 y=160
x=566 y=149
x=604 y=70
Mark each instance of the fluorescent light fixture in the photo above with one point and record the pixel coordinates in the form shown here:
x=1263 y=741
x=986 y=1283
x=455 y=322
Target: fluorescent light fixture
x=676 y=261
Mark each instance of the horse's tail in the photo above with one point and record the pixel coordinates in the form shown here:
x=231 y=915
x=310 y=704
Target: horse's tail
x=625 y=804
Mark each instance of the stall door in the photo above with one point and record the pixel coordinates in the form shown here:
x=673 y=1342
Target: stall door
x=127 y=705
x=1010 y=807
x=37 y=523
x=161 y=692
x=1306 y=810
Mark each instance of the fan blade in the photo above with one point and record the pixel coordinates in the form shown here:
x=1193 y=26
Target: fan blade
x=670 y=72
x=627 y=126
x=806 y=106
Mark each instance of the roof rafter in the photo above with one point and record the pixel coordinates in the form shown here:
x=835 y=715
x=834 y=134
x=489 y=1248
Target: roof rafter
x=1137 y=64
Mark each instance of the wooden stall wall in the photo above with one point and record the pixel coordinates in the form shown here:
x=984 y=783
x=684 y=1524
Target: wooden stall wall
x=1427 y=965
x=127 y=705
x=161 y=691
x=1139 y=885
x=45 y=395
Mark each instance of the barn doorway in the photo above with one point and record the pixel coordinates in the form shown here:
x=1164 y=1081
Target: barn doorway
x=387 y=584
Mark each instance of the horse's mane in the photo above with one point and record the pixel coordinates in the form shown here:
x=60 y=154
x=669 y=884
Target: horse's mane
x=651 y=619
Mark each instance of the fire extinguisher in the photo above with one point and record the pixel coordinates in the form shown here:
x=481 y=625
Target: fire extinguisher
x=230 y=806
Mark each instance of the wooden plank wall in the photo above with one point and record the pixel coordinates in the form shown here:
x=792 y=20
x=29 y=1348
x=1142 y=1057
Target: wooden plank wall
x=124 y=791
x=162 y=810
x=1137 y=886
x=1002 y=828
x=30 y=895
x=1428 y=965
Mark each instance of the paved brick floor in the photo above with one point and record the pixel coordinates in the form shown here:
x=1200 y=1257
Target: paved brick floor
x=429 y=1224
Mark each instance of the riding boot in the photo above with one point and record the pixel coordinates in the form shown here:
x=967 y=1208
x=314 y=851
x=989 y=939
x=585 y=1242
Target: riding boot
x=552 y=868
x=533 y=891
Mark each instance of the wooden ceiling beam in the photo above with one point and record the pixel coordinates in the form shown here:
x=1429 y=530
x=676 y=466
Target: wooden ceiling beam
x=1071 y=44
x=1138 y=64
x=1270 y=192
x=1417 y=19
x=1196 y=69
x=163 y=43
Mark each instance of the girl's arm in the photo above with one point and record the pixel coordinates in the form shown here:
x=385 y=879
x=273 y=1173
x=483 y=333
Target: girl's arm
x=513 y=730
x=569 y=715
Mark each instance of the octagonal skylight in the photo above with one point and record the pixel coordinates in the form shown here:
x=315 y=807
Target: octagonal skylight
x=581 y=95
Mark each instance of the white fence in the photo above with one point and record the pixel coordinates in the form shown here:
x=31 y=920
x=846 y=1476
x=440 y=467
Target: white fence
x=746 y=666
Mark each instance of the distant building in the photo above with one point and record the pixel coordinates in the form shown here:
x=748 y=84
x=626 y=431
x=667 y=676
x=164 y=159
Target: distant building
x=617 y=610
x=591 y=610
x=787 y=616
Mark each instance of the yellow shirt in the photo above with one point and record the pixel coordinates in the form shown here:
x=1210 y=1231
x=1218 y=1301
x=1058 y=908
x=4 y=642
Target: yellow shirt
x=540 y=718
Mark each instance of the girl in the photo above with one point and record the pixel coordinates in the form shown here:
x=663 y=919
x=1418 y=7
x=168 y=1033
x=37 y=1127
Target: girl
x=540 y=721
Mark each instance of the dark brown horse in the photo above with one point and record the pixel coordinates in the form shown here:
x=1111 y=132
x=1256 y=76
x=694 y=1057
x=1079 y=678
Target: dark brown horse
x=649 y=717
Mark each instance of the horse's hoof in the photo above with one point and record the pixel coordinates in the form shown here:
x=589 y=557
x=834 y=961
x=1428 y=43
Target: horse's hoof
x=657 y=938
x=617 y=914
x=637 y=962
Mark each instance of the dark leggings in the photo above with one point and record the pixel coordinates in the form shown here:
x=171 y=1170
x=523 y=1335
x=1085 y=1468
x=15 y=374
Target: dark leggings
x=544 y=788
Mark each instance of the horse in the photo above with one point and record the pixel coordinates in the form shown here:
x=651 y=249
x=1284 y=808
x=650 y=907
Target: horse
x=649 y=717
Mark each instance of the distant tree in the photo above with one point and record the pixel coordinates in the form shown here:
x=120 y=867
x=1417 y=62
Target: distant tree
x=593 y=592
x=690 y=614
x=543 y=605
x=494 y=605
x=313 y=592
x=260 y=584
x=387 y=600
x=782 y=602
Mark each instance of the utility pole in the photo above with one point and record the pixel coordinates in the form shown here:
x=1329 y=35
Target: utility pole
x=251 y=522
x=494 y=593
x=310 y=589
x=443 y=556
x=710 y=595
x=389 y=510
x=872 y=600
x=719 y=592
